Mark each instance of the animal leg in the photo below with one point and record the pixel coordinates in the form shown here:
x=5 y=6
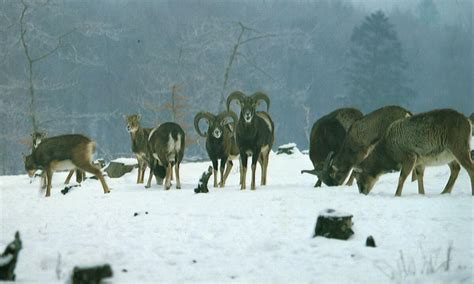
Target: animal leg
x=88 y=167
x=419 y=173
x=318 y=183
x=229 y=166
x=464 y=158
x=243 y=172
x=221 y=169
x=44 y=180
x=142 y=176
x=168 y=177
x=49 y=177
x=214 y=170
x=80 y=176
x=69 y=176
x=178 y=181
x=254 y=169
x=407 y=167
x=266 y=158
x=455 y=168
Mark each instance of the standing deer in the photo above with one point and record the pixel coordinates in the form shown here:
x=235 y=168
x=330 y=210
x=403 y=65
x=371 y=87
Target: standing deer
x=255 y=134
x=432 y=138
x=139 y=137
x=37 y=138
x=73 y=151
x=166 y=145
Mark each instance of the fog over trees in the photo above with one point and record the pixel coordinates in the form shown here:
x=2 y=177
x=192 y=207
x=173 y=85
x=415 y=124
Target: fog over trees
x=70 y=66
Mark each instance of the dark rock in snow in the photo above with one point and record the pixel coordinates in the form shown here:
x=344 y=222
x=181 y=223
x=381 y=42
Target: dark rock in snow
x=288 y=149
x=370 y=242
x=91 y=274
x=9 y=258
x=117 y=169
x=334 y=225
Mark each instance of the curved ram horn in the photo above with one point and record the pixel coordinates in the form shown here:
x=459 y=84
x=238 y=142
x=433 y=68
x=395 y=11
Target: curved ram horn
x=237 y=95
x=226 y=114
x=317 y=171
x=200 y=115
x=261 y=96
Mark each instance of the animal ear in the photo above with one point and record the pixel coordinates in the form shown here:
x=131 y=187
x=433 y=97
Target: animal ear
x=139 y=116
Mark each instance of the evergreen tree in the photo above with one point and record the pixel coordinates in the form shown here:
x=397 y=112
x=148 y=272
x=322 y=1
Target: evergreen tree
x=375 y=75
x=428 y=12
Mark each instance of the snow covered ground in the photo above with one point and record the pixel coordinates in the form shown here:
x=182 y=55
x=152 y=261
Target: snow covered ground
x=244 y=236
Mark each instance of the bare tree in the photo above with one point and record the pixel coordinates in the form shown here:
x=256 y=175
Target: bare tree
x=32 y=60
x=253 y=35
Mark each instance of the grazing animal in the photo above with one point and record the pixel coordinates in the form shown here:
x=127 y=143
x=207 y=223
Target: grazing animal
x=37 y=138
x=166 y=145
x=139 y=137
x=73 y=151
x=255 y=134
x=220 y=141
x=432 y=138
x=359 y=142
x=327 y=136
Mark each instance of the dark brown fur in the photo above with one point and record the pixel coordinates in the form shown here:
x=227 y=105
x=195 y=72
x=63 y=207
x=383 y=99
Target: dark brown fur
x=255 y=134
x=166 y=149
x=360 y=140
x=432 y=138
x=327 y=135
x=224 y=147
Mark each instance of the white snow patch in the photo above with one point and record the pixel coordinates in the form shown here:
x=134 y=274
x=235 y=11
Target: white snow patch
x=233 y=235
x=126 y=161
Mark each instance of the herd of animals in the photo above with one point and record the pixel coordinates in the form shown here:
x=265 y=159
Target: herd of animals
x=343 y=144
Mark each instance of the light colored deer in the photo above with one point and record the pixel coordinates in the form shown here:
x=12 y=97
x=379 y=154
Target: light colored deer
x=65 y=152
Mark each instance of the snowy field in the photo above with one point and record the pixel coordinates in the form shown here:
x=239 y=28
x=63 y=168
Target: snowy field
x=242 y=236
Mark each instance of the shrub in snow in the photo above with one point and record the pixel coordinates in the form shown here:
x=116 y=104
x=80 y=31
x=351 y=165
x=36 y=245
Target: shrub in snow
x=9 y=258
x=202 y=185
x=334 y=225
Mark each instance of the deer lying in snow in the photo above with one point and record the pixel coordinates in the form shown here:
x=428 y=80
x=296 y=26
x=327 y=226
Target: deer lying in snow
x=65 y=152
x=432 y=138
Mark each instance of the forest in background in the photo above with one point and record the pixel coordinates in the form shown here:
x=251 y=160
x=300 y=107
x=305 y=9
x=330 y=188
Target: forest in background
x=79 y=66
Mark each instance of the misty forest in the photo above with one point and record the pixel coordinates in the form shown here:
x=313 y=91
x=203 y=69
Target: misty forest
x=80 y=66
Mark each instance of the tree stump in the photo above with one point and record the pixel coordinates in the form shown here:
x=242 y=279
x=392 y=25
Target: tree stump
x=288 y=149
x=9 y=258
x=202 y=185
x=118 y=169
x=334 y=225
x=91 y=274
x=370 y=242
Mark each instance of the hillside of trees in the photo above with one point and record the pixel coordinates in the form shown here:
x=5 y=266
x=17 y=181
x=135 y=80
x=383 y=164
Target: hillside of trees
x=80 y=66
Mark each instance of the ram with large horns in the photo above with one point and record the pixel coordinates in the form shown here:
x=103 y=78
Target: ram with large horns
x=255 y=134
x=220 y=141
